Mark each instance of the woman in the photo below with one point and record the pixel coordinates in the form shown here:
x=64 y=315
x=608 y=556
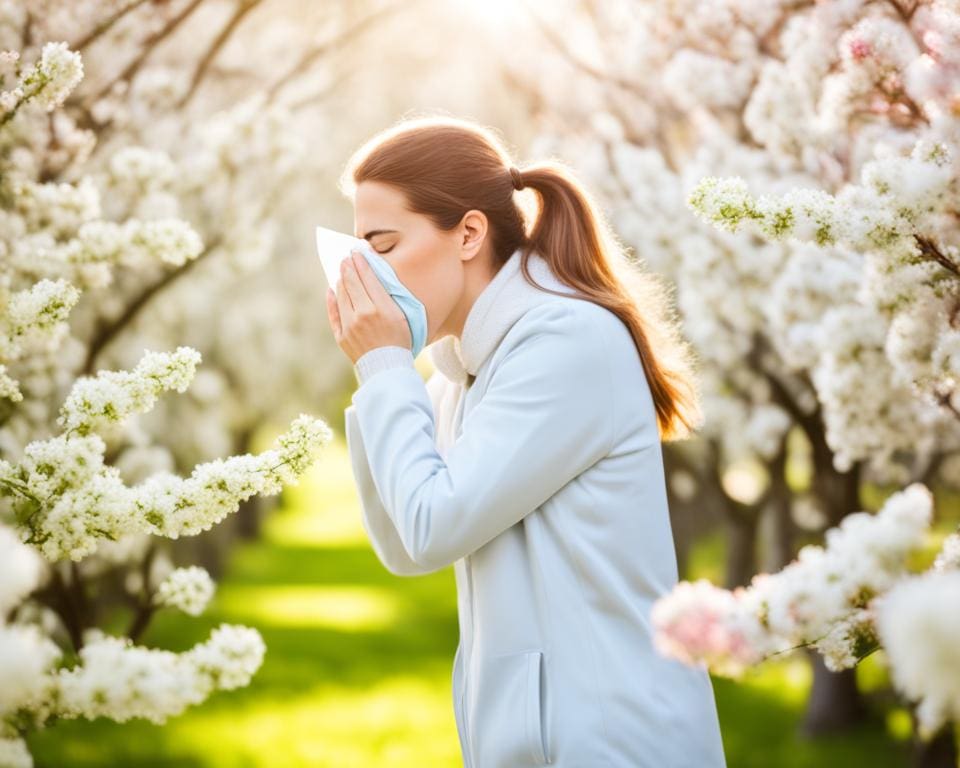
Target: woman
x=531 y=459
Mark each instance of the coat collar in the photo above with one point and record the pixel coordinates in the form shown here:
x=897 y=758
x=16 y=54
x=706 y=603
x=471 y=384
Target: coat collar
x=500 y=304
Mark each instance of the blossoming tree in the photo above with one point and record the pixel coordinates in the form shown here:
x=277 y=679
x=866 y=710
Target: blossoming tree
x=64 y=504
x=817 y=144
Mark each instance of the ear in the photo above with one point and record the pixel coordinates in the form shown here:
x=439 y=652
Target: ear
x=473 y=232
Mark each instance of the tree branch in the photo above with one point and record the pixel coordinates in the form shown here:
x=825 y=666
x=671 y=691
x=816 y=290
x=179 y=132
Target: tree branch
x=106 y=333
x=107 y=24
x=309 y=57
x=243 y=8
x=62 y=602
x=146 y=607
x=576 y=61
x=130 y=71
x=929 y=249
x=905 y=10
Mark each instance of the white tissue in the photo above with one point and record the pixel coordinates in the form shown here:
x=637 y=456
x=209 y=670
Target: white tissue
x=333 y=247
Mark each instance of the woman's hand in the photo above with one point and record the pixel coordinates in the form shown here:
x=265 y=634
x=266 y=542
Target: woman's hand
x=362 y=314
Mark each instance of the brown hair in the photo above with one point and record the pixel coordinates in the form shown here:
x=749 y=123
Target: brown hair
x=447 y=166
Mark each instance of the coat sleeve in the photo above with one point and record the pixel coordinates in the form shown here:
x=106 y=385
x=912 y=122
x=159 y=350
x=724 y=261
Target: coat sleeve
x=544 y=418
x=376 y=522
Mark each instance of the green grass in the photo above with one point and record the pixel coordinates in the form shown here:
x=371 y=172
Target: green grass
x=359 y=662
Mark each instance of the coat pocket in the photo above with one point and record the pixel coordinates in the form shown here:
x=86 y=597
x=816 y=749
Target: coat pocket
x=507 y=714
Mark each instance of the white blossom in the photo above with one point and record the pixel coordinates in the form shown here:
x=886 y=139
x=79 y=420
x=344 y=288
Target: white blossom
x=230 y=657
x=26 y=656
x=52 y=79
x=949 y=555
x=21 y=569
x=919 y=622
x=847 y=641
x=112 y=396
x=40 y=307
x=135 y=242
x=14 y=753
x=120 y=680
x=822 y=598
x=68 y=499
x=33 y=317
x=142 y=167
x=188 y=589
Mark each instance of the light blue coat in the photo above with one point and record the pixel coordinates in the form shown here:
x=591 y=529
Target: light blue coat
x=548 y=498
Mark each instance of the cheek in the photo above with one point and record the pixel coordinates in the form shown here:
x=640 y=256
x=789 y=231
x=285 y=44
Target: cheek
x=436 y=279
x=418 y=266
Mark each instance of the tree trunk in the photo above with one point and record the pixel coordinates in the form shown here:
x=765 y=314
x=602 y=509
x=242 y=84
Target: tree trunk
x=742 y=523
x=781 y=526
x=250 y=512
x=835 y=702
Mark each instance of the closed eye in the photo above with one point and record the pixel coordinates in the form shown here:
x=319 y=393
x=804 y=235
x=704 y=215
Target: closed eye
x=388 y=249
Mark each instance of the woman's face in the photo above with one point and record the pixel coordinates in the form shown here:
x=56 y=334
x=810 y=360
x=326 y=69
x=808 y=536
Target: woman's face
x=428 y=261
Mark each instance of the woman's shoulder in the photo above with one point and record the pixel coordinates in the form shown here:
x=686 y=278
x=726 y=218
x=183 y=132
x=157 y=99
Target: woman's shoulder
x=563 y=344
x=583 y=347
x=581 y=328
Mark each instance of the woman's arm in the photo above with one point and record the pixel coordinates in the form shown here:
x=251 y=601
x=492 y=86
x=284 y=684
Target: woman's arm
x=544 y=418
x=377 y=523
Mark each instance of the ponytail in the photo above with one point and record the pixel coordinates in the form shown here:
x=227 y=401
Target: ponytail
x=572 y=235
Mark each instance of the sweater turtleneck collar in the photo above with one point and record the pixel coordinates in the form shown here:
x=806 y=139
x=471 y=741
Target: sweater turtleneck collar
x=498 y=306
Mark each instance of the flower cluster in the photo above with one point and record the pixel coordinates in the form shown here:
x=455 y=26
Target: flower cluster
x=14 y=753
x=112 y=396
x=823 y=598
x=26 y=653
x=47 y=83
x=879 y=213
x=918 y=624
x=67 y=499
x=120 y=680
x=949 y=555
x=703 y=623
x=172 y=506
x=188 y=589
x=134 y=242
x=21 y=569
x=34 y=316
x=896 y=327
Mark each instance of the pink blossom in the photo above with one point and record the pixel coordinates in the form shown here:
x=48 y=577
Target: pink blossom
x=701 y=622
x=860 y=48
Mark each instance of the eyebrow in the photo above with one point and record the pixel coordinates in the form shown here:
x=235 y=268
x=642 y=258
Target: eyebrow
x=374 y=232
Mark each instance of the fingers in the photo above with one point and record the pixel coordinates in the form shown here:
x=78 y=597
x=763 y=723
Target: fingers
x=375 y=290
x=355 y=287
